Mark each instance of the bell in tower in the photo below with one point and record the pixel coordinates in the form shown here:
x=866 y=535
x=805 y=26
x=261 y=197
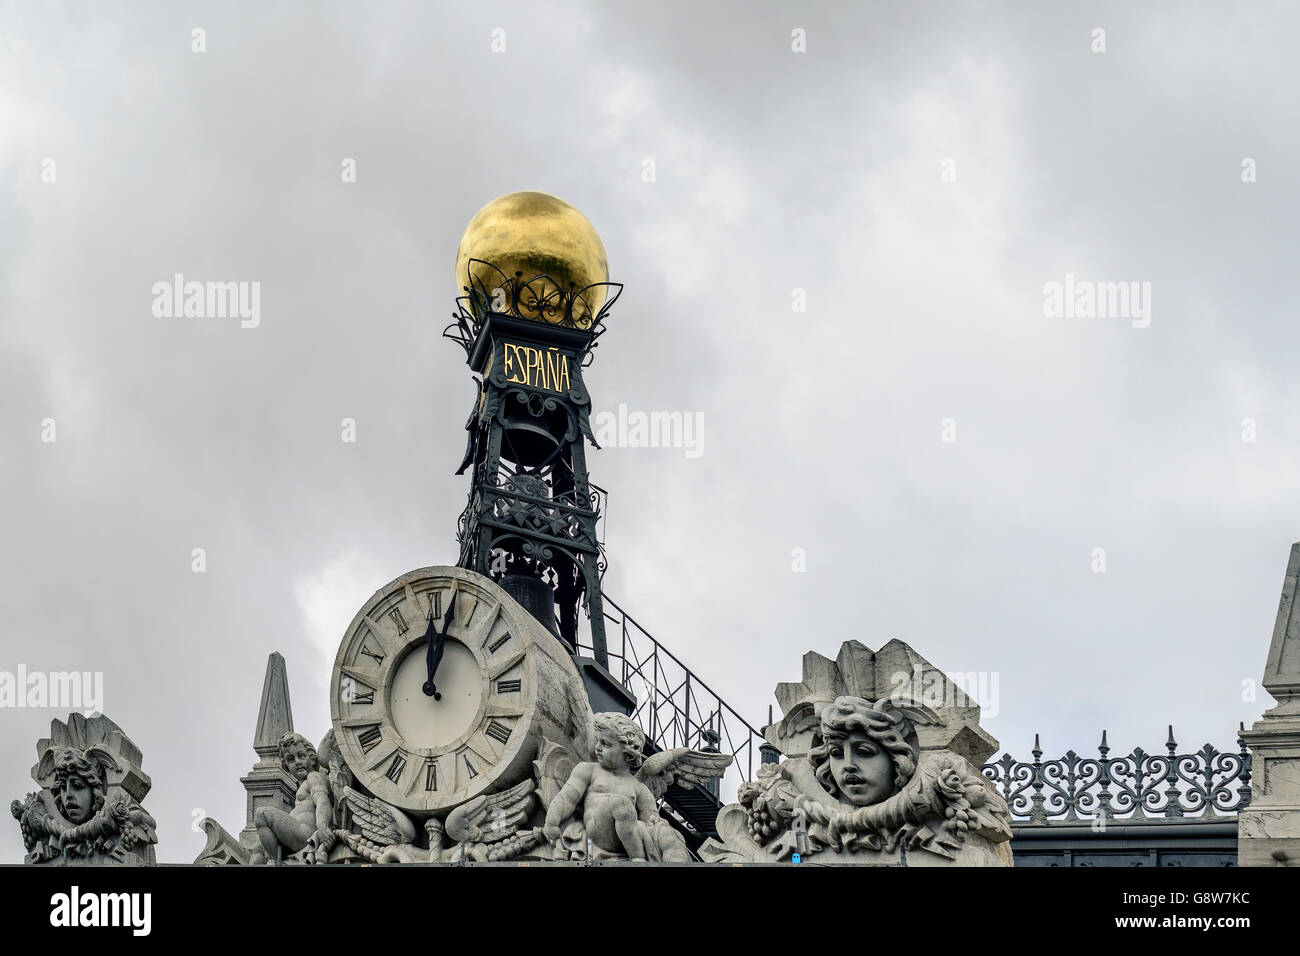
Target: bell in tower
x=536 y=294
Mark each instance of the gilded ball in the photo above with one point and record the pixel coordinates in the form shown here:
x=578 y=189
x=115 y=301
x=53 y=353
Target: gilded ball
x=536 y=234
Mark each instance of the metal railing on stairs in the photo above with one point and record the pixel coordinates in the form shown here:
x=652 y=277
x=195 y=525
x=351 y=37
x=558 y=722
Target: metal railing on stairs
x=673 y=706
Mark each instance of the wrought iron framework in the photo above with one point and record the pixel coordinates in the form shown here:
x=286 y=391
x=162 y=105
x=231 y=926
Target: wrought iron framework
x=539 y=299
x=526 y=514
x=674 y=707
x=1140 y=787
x=531 y=520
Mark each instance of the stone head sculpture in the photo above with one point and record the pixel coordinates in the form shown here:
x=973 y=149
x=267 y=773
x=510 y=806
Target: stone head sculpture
x=615 y=735
x=78 y=779
x=864 y=753
x=297 y=755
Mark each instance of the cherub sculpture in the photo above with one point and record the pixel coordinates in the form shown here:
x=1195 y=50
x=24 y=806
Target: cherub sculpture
x=309 y=826
x=611 y=801
x=487 y=828
x=77 y=815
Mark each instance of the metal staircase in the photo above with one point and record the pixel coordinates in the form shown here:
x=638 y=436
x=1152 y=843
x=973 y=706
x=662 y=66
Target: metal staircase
x=677 y=709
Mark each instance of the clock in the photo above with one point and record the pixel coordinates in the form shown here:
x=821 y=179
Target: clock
x=428 y=742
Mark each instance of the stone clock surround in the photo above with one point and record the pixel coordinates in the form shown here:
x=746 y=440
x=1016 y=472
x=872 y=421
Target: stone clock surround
x=543 y=665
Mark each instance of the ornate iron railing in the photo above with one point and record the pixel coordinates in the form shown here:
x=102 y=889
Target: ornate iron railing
x=1137 y=788
x=674 y=707
x=564 y=520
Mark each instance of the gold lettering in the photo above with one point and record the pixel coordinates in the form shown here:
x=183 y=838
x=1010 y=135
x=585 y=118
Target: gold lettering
x=535 y=368
x=552 y=376
x=514 y=373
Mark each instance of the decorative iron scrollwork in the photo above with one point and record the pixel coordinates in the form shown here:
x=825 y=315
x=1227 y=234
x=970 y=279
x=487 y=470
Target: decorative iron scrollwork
x=538 y=299
x=1139 y=786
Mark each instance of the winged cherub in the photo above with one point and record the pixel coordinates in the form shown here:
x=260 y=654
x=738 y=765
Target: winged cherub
x=618 y=792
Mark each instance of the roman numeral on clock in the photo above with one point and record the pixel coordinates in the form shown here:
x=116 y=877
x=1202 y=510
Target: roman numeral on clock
x=369 y=738
x=396 y=616
x=498 y=730
x=431 y=776
x=469 y=768
x=379 y=658
x=509 y=686
x=469 y=616
x=498 y=643
x=395 y=768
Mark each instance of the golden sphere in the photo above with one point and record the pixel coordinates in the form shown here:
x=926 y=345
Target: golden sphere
x=536 y=234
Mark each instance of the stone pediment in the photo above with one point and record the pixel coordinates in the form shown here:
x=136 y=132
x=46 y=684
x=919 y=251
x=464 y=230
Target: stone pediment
x=895 y=671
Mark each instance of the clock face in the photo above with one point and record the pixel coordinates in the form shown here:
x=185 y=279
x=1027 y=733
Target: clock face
x=408 y=748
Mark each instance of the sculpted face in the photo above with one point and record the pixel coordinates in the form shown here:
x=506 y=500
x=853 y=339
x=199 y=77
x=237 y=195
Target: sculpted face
x=298 y=761
x=608 y=751
x=78 y=799
x=861 y=768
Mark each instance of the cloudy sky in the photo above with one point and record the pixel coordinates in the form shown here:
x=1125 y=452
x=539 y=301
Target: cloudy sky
x=920 y=171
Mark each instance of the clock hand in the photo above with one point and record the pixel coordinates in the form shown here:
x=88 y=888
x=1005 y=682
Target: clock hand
x=436 y=640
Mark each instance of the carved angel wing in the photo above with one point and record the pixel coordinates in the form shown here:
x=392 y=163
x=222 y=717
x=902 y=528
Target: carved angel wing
x=379 y=822
x=331 y=762
x=45 y=769
x=682 y=766
x=806 y=715
x=491 y=818
x=107 y=762
x=96 y=755
x=340 y=779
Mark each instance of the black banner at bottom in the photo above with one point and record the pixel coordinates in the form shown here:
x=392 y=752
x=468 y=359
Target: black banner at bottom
x=223 y=904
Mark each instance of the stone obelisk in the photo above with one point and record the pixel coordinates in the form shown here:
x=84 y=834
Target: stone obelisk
x=1269 y=829
x=268 y=784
